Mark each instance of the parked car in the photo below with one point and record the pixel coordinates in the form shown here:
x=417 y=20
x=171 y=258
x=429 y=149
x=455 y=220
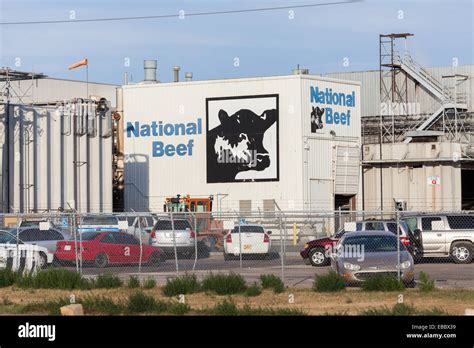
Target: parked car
x=247 y=240
x=35 y=223
x=104 y=248
x=442 y=235
x=364 y=254
x=12 y=250
x=167 y=234
x=96 y=223
x=316 y=252
x=44 y=238
x=140 y=225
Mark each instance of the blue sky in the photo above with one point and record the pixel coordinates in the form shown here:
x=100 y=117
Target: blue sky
x=266 y=43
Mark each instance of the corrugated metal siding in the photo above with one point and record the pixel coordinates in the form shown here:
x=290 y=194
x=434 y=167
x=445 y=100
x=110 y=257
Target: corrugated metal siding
x=51 y=90
x=370 y=88
x=41 y=160
x=409 y=183
x=347 y=170
x=320 y=159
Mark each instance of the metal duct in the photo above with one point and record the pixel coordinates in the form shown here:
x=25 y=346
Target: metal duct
x=188 y=76
x=176 y=70
x=150 y=70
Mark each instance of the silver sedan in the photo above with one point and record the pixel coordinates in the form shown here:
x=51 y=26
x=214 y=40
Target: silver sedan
x=361 y=255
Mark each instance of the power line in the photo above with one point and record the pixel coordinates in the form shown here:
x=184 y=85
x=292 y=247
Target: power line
x=182 y=14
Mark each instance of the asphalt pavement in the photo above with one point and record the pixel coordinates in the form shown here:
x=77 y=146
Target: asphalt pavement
x=296 y=274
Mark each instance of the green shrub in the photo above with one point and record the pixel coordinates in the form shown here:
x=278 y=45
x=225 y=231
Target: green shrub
x=185 y=284
x=53 y=278
x=253 y=290
x=270 y=281
x=150 y=283
x=382 y=283
x=7 y=277
x=177 y=308
x=401 y=309
x=101 y=304
x=133 y=282
x=138 y=302
x=229 y=308
x=107 y=281
x=225 y=307
x=426 y=284
x=224 y=284
x=330 y=282
x=249 y=311
x=51 y=307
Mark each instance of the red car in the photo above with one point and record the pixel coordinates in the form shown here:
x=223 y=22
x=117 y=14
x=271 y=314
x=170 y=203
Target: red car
x=316 y=251
x=103 y=248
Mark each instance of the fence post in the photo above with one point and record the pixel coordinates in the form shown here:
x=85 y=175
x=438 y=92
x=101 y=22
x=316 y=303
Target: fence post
x=195 y=239
x=18 y=222
x=282 y=248
x=240 y=244
x=174 y=243
x=80 y=250
x=74 y=232
x=398 y=245
x=141 y=243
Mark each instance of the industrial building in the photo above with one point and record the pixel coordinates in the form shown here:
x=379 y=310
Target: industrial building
x=416 y=131
x=264 y=143
x=399 y=137
x=56 y=138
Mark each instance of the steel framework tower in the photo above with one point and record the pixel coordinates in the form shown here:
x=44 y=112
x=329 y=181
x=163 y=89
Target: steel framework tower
x=393 y=85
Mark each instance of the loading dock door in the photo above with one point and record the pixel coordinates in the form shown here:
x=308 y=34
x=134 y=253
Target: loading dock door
x=347 y=170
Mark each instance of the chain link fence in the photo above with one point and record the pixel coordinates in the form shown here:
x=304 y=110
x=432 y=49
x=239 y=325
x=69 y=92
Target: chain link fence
x=293 y=245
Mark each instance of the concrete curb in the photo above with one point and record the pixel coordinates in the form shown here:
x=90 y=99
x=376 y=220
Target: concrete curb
x=288 y=253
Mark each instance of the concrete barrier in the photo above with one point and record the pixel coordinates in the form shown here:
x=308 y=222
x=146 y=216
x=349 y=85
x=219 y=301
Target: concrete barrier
x=72 y=310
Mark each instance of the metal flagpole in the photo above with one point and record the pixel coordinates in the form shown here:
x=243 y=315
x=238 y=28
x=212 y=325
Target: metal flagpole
x=87 y=80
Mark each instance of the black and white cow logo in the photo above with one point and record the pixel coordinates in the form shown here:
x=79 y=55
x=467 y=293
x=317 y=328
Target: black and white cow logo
x=316 y=119
x=236 y=144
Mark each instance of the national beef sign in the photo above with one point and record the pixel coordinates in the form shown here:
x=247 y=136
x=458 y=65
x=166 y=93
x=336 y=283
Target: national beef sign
x=330 y=107
x=242 y=138
x=161 y=130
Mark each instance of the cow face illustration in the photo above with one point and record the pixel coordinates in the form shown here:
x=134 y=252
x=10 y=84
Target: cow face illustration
x=316 y=119
x=236 y=144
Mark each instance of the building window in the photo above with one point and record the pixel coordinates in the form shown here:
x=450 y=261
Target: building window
x=245 y=205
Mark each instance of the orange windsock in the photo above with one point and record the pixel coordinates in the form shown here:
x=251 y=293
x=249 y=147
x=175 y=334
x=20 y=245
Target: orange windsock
x=78 y=64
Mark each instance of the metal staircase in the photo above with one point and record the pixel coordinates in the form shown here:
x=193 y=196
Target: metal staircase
x=448 y=99
x=418 y=73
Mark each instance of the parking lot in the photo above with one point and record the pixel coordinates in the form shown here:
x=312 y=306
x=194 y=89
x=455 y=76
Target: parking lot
x=269 y=245
x=445 y=273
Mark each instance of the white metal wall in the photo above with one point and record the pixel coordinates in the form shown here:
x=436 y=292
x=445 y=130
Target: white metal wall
x=148 y=179
x=321 y=146
x=41 y=164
